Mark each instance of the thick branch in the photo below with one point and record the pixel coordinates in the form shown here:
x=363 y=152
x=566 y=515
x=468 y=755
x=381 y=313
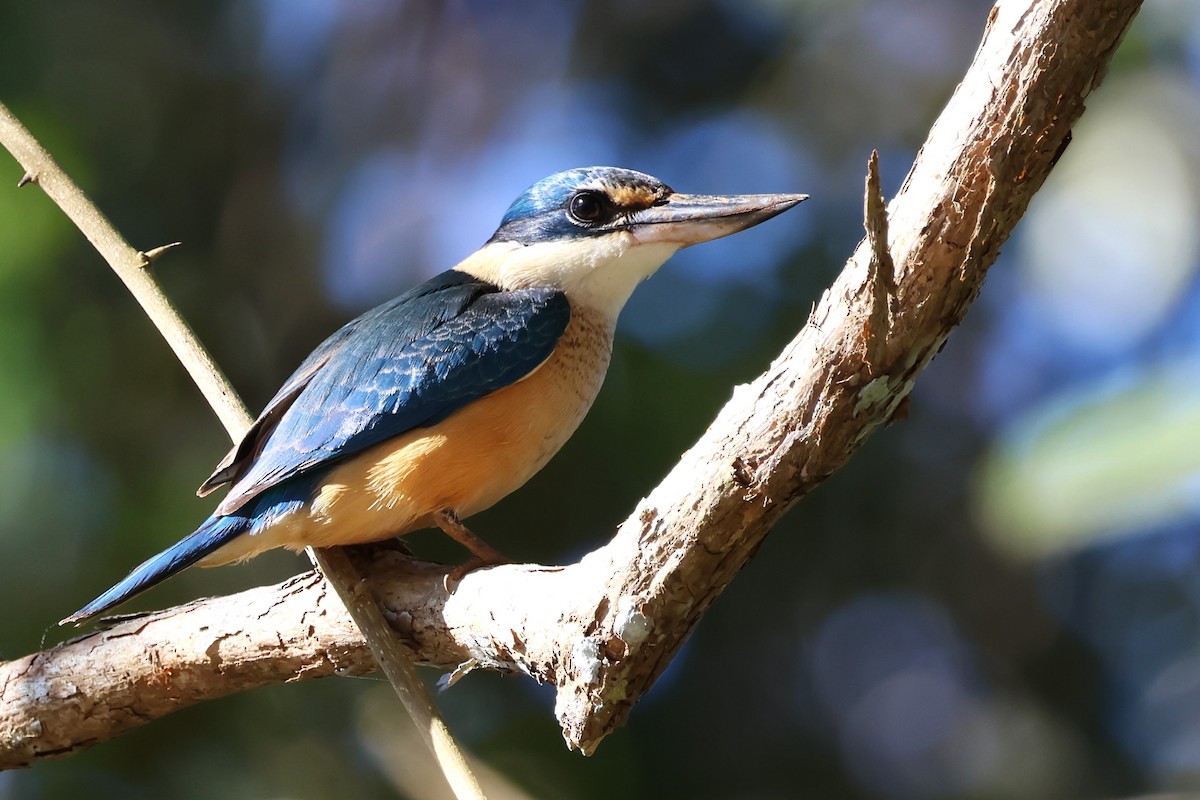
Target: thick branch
x=603 y=629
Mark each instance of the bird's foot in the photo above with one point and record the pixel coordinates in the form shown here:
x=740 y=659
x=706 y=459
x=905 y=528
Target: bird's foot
x=484 y=554
x=458 y=572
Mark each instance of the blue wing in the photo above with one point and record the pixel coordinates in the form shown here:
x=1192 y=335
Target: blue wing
x=428 y=304
x=406 y=364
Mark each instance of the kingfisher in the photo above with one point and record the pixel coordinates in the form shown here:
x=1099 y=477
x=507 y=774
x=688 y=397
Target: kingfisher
x=440 y=402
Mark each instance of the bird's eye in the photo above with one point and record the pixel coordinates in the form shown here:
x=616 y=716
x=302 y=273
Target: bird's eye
x=587 y=206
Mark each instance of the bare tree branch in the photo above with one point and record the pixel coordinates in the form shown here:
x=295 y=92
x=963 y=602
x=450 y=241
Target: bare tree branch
x=604 y=628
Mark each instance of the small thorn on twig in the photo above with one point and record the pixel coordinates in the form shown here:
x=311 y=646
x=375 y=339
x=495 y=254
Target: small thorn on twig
x=26 y=179
x=150 y=256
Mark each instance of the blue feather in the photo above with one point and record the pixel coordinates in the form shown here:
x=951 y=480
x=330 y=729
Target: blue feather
x=213 y=533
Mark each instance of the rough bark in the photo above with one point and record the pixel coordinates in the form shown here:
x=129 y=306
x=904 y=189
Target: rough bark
x=604 y=628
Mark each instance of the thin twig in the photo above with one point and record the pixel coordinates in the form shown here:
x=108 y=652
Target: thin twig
x=398 y=666
x=131 y=266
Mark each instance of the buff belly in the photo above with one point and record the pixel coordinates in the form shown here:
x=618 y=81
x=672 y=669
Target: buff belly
x=466 y=463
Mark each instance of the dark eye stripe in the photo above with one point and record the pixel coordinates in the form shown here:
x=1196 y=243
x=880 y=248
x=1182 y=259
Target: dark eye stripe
x=545 y=213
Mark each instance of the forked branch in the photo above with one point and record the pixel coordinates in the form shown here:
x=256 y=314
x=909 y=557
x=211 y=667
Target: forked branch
x=604 y=628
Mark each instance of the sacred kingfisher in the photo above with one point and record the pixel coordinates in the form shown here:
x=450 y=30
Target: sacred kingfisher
x=438 y=403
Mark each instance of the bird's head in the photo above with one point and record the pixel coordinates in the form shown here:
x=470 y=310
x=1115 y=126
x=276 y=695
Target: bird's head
x=596 y=232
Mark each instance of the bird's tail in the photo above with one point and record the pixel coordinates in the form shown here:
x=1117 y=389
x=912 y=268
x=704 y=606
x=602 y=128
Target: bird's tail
x=215 y=532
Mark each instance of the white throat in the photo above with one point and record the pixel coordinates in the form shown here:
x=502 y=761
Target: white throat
x=598 y=272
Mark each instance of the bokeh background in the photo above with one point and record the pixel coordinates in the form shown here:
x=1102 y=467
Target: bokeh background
x=998 y=598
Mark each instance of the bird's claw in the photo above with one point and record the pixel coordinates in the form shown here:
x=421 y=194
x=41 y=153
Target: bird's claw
x=458 y=572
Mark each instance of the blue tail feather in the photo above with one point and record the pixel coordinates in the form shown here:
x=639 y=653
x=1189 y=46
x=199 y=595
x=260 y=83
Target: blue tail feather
x=215 y=532
x=261 y=512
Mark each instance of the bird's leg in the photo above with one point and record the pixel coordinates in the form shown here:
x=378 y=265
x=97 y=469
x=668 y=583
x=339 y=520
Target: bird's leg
x=485 y=554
